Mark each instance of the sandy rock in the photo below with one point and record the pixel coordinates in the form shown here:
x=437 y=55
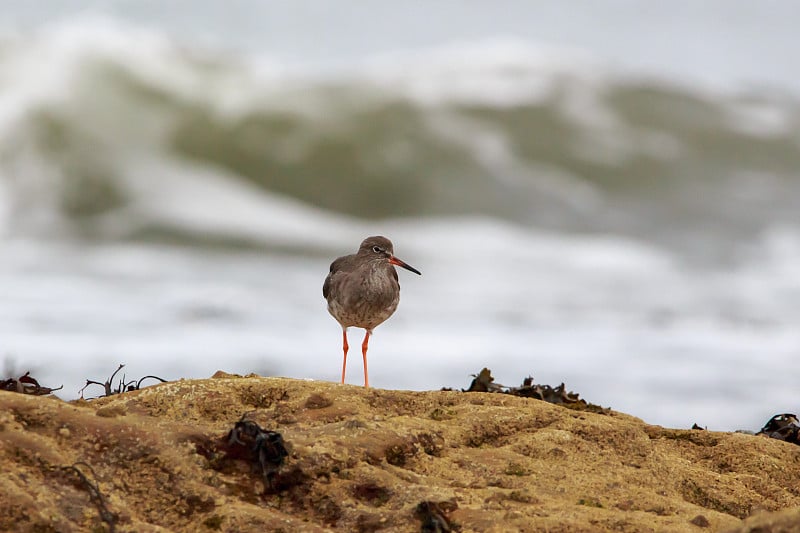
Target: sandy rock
x=363 y=460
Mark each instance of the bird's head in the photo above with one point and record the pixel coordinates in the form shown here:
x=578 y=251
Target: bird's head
x=381 y=248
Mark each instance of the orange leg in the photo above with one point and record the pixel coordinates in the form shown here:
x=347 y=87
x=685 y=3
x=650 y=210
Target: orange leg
x=344 y=349
x=364 y=347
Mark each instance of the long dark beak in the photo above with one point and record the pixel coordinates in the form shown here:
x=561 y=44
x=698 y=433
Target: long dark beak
x=395 y=261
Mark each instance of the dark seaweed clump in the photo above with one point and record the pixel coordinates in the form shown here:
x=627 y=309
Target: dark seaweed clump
x=784 y=427
x=484 y=382
x=26 y=384
x=124 y=385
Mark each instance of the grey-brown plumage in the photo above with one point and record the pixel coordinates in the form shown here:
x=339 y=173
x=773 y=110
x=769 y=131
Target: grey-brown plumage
x=362 y=290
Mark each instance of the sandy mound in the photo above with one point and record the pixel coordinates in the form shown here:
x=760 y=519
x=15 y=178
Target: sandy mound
x=158 y=459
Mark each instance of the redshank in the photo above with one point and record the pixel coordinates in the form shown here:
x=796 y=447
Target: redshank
x=362 y=290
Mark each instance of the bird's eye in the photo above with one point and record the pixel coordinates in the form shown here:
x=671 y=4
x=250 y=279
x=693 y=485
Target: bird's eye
x=376 y=249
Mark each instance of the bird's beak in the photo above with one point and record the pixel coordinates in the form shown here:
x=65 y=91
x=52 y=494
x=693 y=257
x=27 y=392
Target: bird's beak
x=395 y=261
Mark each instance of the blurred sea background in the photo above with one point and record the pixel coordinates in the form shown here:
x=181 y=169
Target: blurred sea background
x=605 y=193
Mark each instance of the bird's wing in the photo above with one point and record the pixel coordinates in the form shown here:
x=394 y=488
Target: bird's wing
x=336 y=267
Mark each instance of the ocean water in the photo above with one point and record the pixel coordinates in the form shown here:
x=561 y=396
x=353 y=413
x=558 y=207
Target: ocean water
x=617 y=212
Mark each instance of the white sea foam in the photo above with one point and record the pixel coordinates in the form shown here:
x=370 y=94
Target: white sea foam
x=621 y=323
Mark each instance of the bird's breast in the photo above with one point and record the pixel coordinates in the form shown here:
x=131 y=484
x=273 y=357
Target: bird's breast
x=365 y=299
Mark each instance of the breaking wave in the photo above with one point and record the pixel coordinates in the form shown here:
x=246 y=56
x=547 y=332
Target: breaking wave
x=113 y=132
